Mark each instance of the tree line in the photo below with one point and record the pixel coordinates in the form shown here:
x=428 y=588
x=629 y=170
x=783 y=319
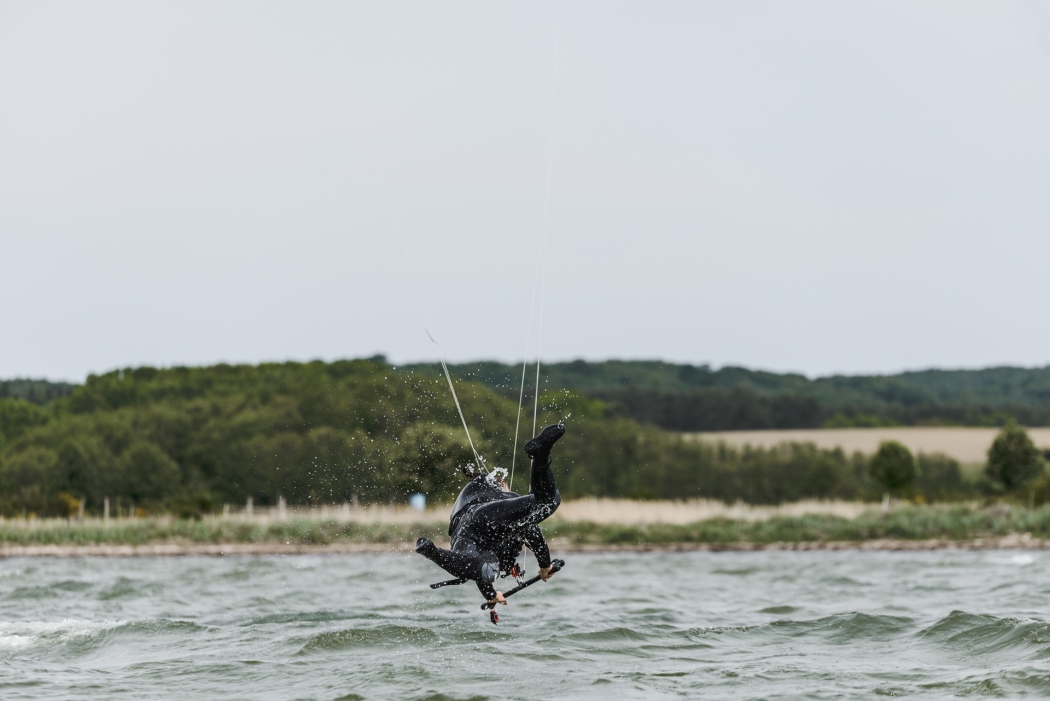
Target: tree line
x=698 y=398
x=40 y=392
x=188 y=440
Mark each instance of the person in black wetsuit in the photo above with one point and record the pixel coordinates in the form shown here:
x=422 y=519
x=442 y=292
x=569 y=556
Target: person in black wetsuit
x=489 y=524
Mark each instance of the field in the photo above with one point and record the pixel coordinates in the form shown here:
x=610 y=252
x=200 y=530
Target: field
x=967 y=445
x=630 y=512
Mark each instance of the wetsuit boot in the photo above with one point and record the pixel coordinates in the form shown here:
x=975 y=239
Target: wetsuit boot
x=539 y=448
x=541 y=483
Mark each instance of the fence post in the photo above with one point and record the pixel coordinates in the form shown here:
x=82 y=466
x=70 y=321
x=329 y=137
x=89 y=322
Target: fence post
x=105 y=510
x=248 y=507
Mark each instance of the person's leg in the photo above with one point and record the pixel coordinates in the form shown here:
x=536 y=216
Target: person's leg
x=518 y=512
x=539 y=449
x=468 y=564
x=496 y=516
x=543 y=487
x=543 y=498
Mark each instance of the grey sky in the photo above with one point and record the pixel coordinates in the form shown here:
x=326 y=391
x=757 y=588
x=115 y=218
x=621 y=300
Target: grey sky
x=817 y=187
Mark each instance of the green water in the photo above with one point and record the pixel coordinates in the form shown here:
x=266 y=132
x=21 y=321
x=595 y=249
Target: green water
x=728 y=625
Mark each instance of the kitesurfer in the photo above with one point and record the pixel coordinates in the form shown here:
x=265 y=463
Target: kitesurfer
x=489 y=523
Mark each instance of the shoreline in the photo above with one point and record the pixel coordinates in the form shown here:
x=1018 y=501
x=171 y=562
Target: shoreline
x=184 y=549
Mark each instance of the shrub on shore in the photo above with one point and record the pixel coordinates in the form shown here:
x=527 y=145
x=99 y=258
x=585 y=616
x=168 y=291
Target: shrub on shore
x=1013 y=460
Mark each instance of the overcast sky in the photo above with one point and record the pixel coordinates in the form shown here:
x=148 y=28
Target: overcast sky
x=809 y=186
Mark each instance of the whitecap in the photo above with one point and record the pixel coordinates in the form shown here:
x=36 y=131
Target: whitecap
x=9 y=642
x=19 y=634
x=1022 y=559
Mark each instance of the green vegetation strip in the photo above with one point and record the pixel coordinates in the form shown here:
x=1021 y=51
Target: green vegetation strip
x=147 y=530
x=917 y=523
x=912 y=523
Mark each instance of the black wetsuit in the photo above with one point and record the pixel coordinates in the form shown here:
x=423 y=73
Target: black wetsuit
x=489 y=526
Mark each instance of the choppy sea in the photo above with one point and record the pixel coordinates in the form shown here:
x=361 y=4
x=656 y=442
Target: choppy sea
x=627 y=626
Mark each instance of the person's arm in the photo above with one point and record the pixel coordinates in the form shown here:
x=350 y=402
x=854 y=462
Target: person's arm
x=486 y=589
x=538 y=545
x=486 y=584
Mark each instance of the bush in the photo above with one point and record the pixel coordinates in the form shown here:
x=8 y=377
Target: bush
x=893 y=467
x=1013 y=460
x=68 y=504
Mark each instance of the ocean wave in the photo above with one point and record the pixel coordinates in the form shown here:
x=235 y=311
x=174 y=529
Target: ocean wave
x=958 y=632
x=984 y=634
x=737 y=572
x=308 y=617
x=614 y=634
x=21 y=634
x=848 y=627
x=387 y=635
x=153 y=626
x=839 y=628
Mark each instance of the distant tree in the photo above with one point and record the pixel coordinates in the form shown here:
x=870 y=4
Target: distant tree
x=1013 y=460
x=893 y=467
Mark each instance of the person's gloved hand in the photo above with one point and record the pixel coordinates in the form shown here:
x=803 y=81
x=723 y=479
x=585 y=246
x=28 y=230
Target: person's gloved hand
x=500 y=599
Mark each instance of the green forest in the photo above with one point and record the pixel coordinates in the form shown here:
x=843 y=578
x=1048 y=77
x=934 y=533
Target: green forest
x=697 y=398
x=187 y=440
x=35 y=391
